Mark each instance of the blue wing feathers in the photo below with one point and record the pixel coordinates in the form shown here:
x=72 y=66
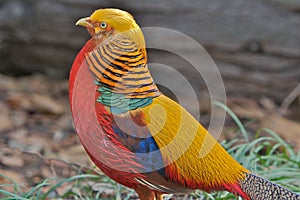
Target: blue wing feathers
x=145 y=148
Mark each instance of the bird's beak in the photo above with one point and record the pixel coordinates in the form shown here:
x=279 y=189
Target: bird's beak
x=83 y=22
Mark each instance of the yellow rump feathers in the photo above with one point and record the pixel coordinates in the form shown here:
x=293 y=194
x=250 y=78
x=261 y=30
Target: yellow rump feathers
x=195 y=158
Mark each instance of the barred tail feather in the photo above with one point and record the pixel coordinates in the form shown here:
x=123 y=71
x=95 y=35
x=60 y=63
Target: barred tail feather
x=258 y=188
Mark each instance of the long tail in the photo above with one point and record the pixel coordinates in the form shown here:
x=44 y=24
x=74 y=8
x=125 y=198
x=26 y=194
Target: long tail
x=258 y=188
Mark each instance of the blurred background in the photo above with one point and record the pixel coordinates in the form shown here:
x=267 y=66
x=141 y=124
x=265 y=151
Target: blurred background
x=255 y=44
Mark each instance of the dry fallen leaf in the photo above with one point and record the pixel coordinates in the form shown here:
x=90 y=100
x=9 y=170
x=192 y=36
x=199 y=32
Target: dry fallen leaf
x=5 y=120
x=12 y=175
x=246 y=108
x=36 y=103
x=286 y=128
x=11 y=159
x=76 y=154
x=28 y=169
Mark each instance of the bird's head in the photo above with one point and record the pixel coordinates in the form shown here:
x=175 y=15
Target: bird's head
x=106 y=23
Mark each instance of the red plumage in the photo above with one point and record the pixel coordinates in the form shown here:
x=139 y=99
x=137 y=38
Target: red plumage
x=93 y=125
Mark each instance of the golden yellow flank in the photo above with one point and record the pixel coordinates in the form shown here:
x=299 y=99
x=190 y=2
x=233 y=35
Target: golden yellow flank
x=196 y=157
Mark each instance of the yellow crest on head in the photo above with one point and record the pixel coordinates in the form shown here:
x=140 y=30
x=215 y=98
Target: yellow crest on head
x=122 y=22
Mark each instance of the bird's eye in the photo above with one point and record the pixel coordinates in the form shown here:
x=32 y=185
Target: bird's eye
x=103 y=25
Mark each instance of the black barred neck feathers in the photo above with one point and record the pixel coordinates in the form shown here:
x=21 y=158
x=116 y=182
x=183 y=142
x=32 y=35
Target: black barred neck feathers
x=120 y=65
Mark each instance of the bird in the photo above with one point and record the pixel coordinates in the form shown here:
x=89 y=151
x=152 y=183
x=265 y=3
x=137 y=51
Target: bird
x=138 y=136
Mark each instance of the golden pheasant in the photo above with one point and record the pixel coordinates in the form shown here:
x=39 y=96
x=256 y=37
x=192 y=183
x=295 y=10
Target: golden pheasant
x=138 y=136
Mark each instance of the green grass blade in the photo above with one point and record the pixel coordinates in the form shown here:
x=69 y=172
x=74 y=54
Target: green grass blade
x=235 y=119
x=81 y=176
x=11 y=195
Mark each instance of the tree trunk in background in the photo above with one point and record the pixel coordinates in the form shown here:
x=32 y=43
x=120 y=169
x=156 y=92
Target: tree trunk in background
x=256 y=44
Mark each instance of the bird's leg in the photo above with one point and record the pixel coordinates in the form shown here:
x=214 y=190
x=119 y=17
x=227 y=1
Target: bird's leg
x=158 y=196
x=145 y=193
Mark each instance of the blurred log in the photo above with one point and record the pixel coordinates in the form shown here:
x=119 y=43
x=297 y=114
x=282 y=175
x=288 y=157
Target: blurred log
x=255 y=43
x=257 y=75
